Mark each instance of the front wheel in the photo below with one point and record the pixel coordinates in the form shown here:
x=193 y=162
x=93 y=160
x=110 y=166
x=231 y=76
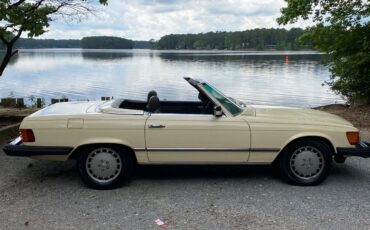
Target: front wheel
x=105 y=166
x=305 y=162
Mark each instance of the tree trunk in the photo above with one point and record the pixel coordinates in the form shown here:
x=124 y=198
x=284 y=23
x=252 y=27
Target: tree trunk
x=9 y=50
x=6 y=59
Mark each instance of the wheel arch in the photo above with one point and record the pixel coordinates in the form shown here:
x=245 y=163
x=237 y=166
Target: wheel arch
x=78 y=150
x=322 y=138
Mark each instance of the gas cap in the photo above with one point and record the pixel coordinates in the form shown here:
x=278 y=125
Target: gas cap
x=75 y=123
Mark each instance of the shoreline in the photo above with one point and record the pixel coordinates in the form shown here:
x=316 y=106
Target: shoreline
x=220 y=51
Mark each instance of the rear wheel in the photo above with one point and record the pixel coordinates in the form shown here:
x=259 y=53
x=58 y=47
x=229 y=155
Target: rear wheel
x=305 y=162
x=105 y=166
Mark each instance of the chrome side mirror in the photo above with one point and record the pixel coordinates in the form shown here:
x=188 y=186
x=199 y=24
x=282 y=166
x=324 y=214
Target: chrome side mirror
x=217 y=111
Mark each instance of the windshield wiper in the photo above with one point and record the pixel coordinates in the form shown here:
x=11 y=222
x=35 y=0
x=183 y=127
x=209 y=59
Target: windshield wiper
x=238 y=102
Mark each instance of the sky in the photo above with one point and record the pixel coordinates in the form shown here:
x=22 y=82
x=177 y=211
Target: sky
x=152 y=19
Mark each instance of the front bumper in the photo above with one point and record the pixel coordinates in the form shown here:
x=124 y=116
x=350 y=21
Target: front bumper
x=16 y=148
x=361 y=150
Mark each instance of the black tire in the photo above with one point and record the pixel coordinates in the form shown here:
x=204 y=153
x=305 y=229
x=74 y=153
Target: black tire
x=120 y=165
x=305 y=162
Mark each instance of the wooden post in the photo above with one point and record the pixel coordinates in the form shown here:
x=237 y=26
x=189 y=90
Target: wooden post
x=4 y=102
x=20 y=102
x=105 y=98
x=53 y=101
x=7 y=102
x=11 y=102
x=38 y=103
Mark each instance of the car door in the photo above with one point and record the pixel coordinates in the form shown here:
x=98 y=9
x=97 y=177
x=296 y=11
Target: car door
x=196 y=138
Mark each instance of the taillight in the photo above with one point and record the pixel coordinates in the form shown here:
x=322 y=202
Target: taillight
x=353 y=137
x=27 y=135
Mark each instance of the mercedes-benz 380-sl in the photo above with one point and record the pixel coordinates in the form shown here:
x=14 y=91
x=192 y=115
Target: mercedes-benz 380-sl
x=108 y=139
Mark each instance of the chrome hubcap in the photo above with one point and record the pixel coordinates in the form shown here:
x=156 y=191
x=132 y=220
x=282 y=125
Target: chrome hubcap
x=103 y=165
x=307 y=163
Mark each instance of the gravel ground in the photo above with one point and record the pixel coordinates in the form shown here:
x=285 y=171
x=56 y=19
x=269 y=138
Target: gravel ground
x=49 y=195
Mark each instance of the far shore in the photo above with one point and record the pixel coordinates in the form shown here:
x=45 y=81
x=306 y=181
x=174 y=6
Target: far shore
x=359 y=116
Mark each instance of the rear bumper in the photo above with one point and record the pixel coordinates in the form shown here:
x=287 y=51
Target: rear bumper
x=361 y=150
x=16 y=148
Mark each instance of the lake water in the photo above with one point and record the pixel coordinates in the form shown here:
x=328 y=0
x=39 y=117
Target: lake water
x=254 y=77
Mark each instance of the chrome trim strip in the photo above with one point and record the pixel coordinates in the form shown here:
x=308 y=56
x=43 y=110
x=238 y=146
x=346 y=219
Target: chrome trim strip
x=208 y=149
x=363 y=144
x=140 y=149
x=198 y=149
x=264 y=150
x=202 y=163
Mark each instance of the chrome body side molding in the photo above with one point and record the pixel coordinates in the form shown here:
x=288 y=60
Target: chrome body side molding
x=209 y=149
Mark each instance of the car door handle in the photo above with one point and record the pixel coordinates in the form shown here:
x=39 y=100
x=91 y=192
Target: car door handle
x=156 y=126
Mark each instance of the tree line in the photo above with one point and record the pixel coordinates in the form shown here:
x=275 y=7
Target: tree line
x=255 y=39
x=84 y=43
x=29 y=43
x=101 y=42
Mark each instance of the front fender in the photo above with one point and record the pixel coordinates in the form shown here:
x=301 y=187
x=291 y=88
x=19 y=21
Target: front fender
x=337 y=139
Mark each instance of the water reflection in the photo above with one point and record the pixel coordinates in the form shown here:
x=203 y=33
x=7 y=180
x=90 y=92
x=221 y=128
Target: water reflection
x=238 y=57
x=259 y=78
x=98 y=56
x=12 y=61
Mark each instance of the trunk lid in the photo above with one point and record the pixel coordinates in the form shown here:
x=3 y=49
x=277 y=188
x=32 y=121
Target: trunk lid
x=68 y=108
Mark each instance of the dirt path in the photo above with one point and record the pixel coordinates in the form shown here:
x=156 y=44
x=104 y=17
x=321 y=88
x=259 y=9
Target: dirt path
x=359 y=116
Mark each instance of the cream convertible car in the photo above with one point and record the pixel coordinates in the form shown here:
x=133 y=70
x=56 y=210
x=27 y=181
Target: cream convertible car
x=109 y=138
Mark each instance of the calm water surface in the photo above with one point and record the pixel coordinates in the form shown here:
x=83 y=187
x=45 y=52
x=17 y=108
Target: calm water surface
x=254 y=77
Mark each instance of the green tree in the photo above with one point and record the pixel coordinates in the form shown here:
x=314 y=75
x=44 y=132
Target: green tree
x=33 y=17
x=248 y=39
x=106 y=42
x=342 y=30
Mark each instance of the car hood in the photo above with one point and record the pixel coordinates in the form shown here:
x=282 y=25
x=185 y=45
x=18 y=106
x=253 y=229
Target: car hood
x=296 y=115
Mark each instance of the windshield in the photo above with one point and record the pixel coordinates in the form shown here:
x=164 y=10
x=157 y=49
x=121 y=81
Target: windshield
x=230 y=105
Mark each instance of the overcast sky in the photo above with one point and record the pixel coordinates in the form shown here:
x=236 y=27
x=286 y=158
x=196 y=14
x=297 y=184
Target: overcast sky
x=146 y=19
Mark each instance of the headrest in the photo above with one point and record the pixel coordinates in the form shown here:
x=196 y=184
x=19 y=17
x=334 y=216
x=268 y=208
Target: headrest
x=150 y=94
x=153 y=104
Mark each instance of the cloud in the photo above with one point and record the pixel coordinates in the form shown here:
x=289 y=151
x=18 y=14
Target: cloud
x=146 y=19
